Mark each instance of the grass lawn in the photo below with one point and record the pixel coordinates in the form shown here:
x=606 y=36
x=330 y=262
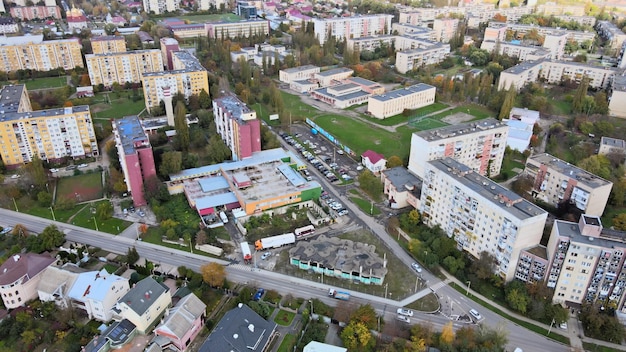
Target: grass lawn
x=360 y=136
x=287 y=345
x=86 y=218
x=120 y=105
x=81 y=187
x=284 y=318
x=400 y=118
x=365 y=206
x=299 y=110
x=428 y=303
x=111 y=268
x=45 y=212
x=598 y=348
x=478 y=111
x=228 y=17
x=45 y=82
x=154 y=236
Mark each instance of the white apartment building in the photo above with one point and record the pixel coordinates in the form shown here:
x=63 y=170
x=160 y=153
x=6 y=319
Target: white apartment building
x=610 y=145
x=122 y=67
x=428 y=53
x=554 y=45
x=480 y=214
x=160 y=6
x=445 y=29
x=332 y=76
x=610 y=32
x=298 y=73
x=412 y=30
x=479 y=145
x=521 y=29
x=617 y=96
x=556 y=181
x=241 y=29
x=396 y=101
x=586 y=265
x=352 y=27
x=371 y=43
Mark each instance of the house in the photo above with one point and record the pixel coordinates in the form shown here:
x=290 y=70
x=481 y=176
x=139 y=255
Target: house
x=241 y=329
x=184 y=322
x=402 y=187
x=97 y=292
x=610 y=145
x=55 y=288
x=315 y=346
x=373 y=161
x=84 y=92
x=114 y=336
x=144 y=304
x=19 y=277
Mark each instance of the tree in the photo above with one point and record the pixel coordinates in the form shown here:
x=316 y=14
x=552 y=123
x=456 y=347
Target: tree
x=180 y=123
x=104 y=211
x=37 y=171
x=44 y=199
x=365 y=314
x=394 y=161
x=507 y=104
x=597 y=165
x=204 y=100
x=517 y=296
x=217 y=150
x=213 y=274
x=131 y=256
x=484 y=266
x=447 y=334
x=619 y=222
x=171 y=163
x=356 y=336
x=110 y=28
x=580 y=95
x=51 y=238
x=19 y=230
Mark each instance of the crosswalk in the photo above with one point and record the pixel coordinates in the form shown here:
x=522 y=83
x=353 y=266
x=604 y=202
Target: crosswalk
x=241 y=267
x=439 y=285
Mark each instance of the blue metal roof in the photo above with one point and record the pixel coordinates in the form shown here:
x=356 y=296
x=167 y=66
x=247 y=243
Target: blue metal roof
x=216 y=200
x=213 y=184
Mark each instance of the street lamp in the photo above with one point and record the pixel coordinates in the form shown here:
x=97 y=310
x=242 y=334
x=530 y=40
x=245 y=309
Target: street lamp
x=14 y=203
x=95 y=222
x=469 y=283
x=311 y=301
x=52 y=211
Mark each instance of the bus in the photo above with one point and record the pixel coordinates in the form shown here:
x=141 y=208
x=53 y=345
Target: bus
x=304 y=231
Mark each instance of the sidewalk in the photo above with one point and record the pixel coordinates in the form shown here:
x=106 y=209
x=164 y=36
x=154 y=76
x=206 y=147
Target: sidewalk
x=574 y=331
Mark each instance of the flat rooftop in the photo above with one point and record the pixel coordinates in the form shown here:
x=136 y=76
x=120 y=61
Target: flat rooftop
x=123 y=53
x=342 y=97
x=403 y=180
x=104 y=38
x=10 y=98
x=402 y=92
x=300 y=68
x=613 y=142
x=572 y=230
x=131 y=134
x=569 y=170
x=500 y=197
x=232 y=103
x=523 y=66
x=538 y=250
x=43 y=113
x=334 y=71
x=460 y=129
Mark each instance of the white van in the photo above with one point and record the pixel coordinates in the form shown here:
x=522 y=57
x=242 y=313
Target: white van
x=223 y=217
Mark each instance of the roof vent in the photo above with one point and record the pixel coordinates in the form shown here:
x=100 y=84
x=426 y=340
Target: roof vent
x=235 y=336
x=590 y=238
x=251 y=327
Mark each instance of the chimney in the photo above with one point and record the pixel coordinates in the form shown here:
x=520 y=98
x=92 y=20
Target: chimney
x=147 y=295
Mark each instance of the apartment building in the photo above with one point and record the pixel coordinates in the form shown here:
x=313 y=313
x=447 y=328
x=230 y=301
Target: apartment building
x=517 y=50
x=188 y=77
x=238 y=125
x=532 y=264
x=245 y=28
x=298 y=73
x=615 y=36
x=445 y=29
x=160 y=6
x=521 y=29
x=51 y=134
x=371 y=43
x=352 y=27
x=617 y=96
x=136 y=157
x=33 y=53
x=479 y=214
x=122 y=67
x=479 y=145
x=552 y=8
x=412 y=30
x=396 y=101
x=108 y=44
x=610 y=145
x=332 y=76
x=586 y=264
x=556 y=181
x=426 y=53
x=168 y=46
x=29 y=13
x=581 y=20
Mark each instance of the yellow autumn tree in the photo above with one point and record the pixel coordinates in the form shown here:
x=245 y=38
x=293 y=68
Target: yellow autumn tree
x=447 y=334
x=213 y=274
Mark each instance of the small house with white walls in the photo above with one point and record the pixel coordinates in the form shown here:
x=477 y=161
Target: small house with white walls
x=373 y=161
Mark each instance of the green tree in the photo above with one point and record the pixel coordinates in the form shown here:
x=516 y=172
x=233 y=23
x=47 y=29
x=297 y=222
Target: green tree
x=394 y=161
x=204 y=99
x=597 y=165
x=619 y=222
x=518 y=300
x=217 y=150
x=580 y=96
x=507 y=104
x=484 y=266
x=51 y=238
x=104 y=211
x=44 y=199
x=171 y=163
x=37 y=172
x=357 y=337
x=131 y=256
x=365 y=314
x=180 y=123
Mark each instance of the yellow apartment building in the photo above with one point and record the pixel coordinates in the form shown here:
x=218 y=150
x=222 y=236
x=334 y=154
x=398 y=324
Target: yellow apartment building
x=33 y=53
x=108 y=44
x=122 y=67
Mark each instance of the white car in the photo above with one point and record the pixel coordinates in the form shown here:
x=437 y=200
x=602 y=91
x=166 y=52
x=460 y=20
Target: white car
x=82 y=166
x=563 y=325
x=404 y=319
x=416 y=267
x=359 y=168
x=265 y=255
x=15 y=176
x=54 y=170
x=475 y=314
x=405 y=312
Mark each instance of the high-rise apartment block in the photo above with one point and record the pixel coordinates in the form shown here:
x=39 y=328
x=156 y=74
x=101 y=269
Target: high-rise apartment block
x=160 y=6
x=33 y=53
x=28 y=13
x=479 y=214
x=122 y=67
x=479 y=145
x=188 y=77
x=51 y=134
x=136 y=157
x=445 y=29
x=107 y=44
x=238 y=126
x=351 y=27
x=556 y=181
x=168 y=46
x=245 y=28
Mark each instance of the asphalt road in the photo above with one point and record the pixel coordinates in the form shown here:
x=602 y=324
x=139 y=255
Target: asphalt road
x=518 y=336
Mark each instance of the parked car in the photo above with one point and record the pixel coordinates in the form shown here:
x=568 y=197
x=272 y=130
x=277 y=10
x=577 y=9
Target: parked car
x=474 y=313
x=259 y=293
x=405 y=312
x=265 y=255
x=416 y=267
x=70 y=167
x=15 y=176
x=342 y=212
x=404 y=319
x=340 y=152
x=81 y=166
x=563 y=325
x=359 y=168
x=54 y=170
x=6 y=230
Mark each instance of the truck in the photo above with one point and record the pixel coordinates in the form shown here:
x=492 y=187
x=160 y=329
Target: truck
x=275 y=241
x=344 y=296
x=245 y=251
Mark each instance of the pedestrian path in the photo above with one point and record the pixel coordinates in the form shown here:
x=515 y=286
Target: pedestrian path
x=241 y=267
x=439 y=285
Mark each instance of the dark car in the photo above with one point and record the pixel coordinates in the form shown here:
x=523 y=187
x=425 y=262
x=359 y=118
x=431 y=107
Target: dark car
x=259 y=293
